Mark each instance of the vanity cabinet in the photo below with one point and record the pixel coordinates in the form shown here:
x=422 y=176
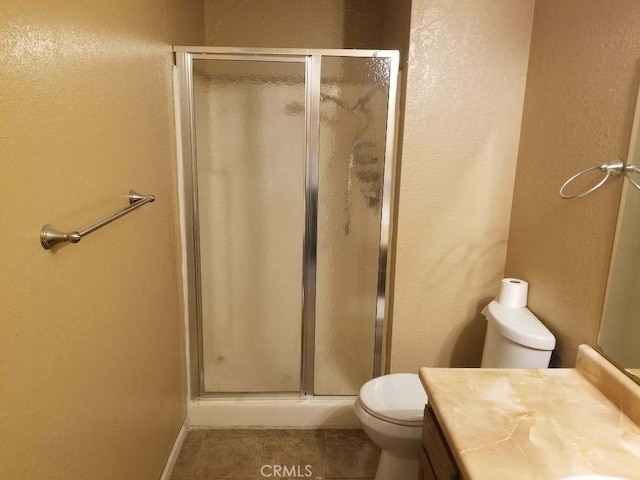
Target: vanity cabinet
x=495 y=423
x=436 y=461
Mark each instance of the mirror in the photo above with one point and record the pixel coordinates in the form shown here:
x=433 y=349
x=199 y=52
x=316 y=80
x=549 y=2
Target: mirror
x=619 y=337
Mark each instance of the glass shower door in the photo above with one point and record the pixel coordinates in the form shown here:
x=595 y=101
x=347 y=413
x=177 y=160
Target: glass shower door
x=288 y=155
x=354 y=103
x=249 y=127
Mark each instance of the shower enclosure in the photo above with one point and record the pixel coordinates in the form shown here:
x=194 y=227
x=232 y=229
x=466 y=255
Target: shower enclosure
x=287 y=158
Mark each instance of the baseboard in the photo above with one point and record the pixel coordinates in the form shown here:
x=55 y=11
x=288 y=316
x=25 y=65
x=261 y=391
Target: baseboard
x=173 y=456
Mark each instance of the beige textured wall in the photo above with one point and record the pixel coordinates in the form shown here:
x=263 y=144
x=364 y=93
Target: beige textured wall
x=92 y=375
x=466 y=78
x=293 y=24
x=581 y=87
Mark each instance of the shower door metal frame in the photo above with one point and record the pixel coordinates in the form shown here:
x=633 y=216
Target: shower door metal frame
x=313 y=58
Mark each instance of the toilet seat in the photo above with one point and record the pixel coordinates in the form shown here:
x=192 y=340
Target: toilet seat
x=398 y=398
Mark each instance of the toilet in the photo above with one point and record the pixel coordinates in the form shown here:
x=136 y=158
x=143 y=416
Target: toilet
x=390 y=408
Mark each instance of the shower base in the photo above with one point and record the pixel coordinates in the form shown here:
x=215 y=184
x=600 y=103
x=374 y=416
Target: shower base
x=298 y=412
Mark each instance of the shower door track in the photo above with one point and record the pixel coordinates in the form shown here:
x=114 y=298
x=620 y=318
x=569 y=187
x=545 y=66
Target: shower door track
x=312 y=58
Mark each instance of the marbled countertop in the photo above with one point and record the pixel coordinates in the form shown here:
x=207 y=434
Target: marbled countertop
x=539 y=424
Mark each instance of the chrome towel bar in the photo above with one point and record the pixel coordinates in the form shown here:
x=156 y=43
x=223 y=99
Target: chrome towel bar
x=50 y=236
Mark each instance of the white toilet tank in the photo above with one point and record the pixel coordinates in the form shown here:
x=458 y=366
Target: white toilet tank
x=515 y=339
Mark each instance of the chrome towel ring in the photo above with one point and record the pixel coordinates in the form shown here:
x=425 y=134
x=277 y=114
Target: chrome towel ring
x=629 y=170
x=615 y=168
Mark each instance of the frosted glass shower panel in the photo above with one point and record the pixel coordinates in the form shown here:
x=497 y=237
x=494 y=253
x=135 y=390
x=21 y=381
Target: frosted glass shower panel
x=250 y=149
x=353 y=117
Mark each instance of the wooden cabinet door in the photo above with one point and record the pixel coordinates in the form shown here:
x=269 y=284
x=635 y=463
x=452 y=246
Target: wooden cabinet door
x=438 y=453
x=425 y=472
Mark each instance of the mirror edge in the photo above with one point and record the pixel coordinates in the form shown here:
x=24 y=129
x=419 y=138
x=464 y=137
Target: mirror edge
x=632 y=152
x=632 y=376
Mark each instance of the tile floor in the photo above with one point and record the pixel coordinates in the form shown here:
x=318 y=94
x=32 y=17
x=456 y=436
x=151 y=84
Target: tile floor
x=222 y=454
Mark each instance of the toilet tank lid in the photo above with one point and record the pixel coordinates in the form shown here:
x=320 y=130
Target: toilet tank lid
x=521 y=326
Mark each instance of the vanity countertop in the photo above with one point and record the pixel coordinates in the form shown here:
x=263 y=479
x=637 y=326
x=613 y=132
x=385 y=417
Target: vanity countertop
x=539 y=424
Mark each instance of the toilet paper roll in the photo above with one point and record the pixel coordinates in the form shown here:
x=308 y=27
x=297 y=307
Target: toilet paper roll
x=513 y=293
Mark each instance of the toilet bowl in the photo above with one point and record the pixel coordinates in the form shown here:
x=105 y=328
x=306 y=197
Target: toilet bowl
x=390 y=409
